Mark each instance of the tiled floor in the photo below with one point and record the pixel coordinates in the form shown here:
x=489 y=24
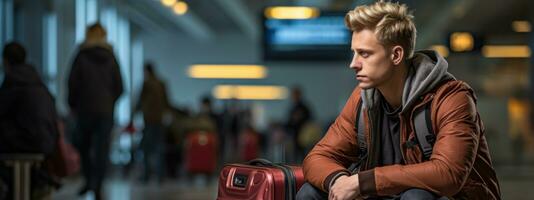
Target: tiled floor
x=122 y=189
x=516 y=183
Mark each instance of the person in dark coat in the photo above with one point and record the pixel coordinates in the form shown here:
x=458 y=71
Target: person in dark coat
x=153 y=102
x=28 y=118
x=299 y=114
x=94 y=84
x=27 y=111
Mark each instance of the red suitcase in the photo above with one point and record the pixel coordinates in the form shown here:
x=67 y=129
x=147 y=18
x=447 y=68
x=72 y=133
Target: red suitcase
x=201 y=152
x=260 y=179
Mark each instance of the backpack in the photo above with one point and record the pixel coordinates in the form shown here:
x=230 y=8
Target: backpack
x=425 y=136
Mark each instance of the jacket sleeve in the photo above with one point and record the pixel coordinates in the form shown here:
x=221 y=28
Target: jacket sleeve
x=74 y=83
x=332 y=155
x=166 y=97
x=458 y=132
x=117 y=80
x=7 y=100
x=139 y=103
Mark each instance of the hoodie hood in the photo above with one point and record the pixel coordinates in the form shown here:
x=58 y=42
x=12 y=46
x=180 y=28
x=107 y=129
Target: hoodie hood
x=98 y=54
x=22 y=75
x=427 y=70
x=90 y=43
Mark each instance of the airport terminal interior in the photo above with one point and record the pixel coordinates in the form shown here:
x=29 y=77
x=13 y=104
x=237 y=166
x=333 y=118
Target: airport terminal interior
x=256 y=79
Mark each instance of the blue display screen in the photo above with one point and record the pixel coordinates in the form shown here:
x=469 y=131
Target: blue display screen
x=321 y=38
x=328 y=30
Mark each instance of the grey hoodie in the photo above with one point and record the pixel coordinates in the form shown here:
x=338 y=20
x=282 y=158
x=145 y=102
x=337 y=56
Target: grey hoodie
x=428 y=69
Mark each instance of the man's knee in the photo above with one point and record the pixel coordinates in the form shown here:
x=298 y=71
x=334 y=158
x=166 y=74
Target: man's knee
x=308 y=191
x=418 y=194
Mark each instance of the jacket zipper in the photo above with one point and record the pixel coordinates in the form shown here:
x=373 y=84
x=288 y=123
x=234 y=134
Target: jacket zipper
x=370 y=131
x=402 y=138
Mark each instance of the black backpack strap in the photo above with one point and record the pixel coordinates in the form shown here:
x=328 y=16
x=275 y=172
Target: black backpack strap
x=423 y=131
x=362 y=142
x=360 y=127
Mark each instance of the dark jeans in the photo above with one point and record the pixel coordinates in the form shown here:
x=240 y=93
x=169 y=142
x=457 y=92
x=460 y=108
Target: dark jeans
x=95 y=132
x=153 y=146
x=309 y=192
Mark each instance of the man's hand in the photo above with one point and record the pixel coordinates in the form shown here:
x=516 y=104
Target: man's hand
x=345 y=188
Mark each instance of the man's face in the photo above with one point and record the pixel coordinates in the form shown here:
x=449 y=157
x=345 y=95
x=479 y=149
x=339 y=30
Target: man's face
x=371 y=62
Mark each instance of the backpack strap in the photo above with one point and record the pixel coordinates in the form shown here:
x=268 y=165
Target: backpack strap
x=423 y=131
x=362 y=142
x=360 y=126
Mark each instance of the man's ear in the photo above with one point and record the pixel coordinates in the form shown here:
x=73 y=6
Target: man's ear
x=397 y=54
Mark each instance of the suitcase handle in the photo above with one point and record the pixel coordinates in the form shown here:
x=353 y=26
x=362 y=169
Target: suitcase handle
x=261 y=162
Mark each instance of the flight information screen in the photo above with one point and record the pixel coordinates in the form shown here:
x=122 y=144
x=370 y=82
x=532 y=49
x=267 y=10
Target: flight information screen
x=321 y=38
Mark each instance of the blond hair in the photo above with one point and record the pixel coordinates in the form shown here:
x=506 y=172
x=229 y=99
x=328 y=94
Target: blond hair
x=391 y=22
x=95 y=33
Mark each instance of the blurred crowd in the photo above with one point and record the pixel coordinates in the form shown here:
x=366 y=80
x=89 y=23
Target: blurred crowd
x=169 y=142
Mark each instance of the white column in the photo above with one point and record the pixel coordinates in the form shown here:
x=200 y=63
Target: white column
x=91 y=12
x=8 y=8
x=80 y=21
x=123 y=52
x=50 y=54
x=2 y=28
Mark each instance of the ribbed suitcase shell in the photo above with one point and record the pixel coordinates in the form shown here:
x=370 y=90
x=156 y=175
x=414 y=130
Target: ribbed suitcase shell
x=260 y=182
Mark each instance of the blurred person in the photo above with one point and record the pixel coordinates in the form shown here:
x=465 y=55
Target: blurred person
x=310 y=133
x=201 y=143
x=276 y=145
x=230 y=128
x=28 y=118
x=204 y=120
x=519 y=128
x=207 y=110
x=174 y=141
x=388 y=161
x=94 y=86
x=249 y=144
x=154 y=104
x=299 y=114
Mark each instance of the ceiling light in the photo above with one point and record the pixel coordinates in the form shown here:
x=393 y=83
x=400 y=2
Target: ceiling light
x=506 y=51
x=168 y=3
x=462 y=41
x=291 y=12
x=250 y=92
x=180 y=8
x=228 y=71
x=441 y=49
x=521 y=26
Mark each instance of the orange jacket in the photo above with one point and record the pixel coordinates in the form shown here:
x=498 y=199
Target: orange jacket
x=460 y=165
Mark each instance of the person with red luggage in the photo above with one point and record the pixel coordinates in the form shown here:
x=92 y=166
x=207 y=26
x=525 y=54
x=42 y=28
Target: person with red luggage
x=202 y=141
x=153 y=103
x=409 y=130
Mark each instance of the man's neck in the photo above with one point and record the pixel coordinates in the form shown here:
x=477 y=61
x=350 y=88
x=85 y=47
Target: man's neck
x=393 y=89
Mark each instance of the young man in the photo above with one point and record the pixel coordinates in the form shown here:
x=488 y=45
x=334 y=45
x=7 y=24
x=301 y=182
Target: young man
x=395 y=83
